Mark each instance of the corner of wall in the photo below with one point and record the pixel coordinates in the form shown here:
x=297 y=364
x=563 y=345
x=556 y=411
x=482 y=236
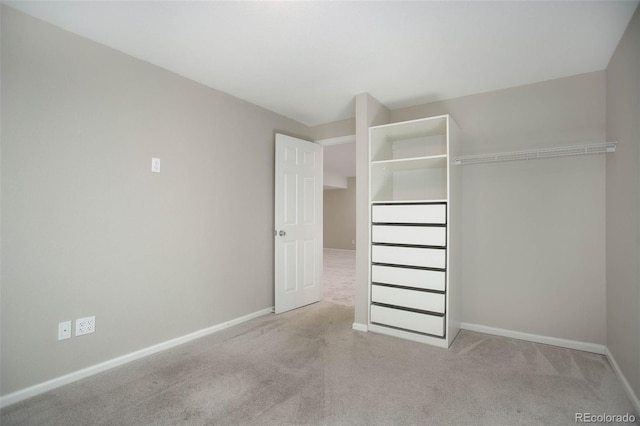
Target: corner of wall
x=623 y=210
x=369 y=112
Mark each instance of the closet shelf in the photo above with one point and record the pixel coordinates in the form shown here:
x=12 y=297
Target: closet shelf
x=563 y=151
x=429 y=162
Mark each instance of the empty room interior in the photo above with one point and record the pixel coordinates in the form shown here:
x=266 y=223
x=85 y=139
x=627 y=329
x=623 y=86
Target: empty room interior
x=323 y=212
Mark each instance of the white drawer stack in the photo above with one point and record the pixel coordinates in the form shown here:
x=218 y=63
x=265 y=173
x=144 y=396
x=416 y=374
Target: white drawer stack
x=408 y=267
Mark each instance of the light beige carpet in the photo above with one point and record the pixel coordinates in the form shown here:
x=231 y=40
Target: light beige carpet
x=309 y=367
x=339 y=276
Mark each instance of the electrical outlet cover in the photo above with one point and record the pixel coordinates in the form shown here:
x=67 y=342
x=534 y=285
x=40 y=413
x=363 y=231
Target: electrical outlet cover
x=85 y=325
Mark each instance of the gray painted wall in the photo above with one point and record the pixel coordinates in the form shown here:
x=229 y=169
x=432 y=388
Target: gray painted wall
x=623 y=205
x=87 y=229
x=340 y=217
x=533 y=231
x=334 y=129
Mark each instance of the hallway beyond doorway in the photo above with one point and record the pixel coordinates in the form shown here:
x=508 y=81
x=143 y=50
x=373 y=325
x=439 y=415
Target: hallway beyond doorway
x=339 y=275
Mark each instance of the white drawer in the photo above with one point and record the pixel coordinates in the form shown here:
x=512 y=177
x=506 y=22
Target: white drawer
x=414 y=299
x=418 y=278
x=410 y=256
x=409 y=213
x=419 y=235
x=423 y=323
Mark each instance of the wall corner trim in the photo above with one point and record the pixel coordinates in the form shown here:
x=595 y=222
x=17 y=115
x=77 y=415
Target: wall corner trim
x=553 y=341
x=360 y=327
x=625 y=383
x=57 y=382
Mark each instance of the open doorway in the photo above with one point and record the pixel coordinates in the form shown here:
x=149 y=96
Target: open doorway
x=339 y=227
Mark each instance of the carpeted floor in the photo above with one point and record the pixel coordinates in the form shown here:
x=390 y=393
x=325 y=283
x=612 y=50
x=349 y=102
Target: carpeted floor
x=308 y=366
x=339 y=276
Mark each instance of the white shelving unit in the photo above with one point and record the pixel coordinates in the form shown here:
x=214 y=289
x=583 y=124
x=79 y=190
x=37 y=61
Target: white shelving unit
x=414 y=195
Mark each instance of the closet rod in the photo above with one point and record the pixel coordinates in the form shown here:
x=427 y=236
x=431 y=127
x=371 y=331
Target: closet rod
x=562 y=151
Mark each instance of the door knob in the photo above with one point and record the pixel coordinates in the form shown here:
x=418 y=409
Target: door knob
x=282 y=233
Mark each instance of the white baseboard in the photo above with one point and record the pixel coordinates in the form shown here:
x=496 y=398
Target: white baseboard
x=34 y=390
x=554 y=341
x=360 y=327
x=625 y=383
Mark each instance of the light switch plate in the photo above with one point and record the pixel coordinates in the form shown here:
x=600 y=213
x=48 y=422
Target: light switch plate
x=64 y=330
x=155 y=165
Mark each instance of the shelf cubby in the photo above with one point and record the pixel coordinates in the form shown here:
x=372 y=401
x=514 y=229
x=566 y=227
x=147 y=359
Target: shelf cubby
x=423 y=178
x=417 y=138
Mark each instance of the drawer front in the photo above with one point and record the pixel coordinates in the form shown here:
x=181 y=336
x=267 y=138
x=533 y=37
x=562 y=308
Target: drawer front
x=418 y=278
x=414 y=299
x=410 y=256
x=423 y=323
x=409 y=213
x=418 y=235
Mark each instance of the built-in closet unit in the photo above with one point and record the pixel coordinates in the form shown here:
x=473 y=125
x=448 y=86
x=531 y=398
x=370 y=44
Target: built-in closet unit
x=415 y=209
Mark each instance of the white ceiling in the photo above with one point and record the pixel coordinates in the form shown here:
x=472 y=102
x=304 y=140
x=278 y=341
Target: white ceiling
x=307 y=60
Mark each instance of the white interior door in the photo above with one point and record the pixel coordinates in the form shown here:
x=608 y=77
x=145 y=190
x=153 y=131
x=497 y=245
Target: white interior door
x=298 y=223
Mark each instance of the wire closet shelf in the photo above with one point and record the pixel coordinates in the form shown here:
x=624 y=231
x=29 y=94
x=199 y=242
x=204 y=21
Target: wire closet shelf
x=532 y=154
